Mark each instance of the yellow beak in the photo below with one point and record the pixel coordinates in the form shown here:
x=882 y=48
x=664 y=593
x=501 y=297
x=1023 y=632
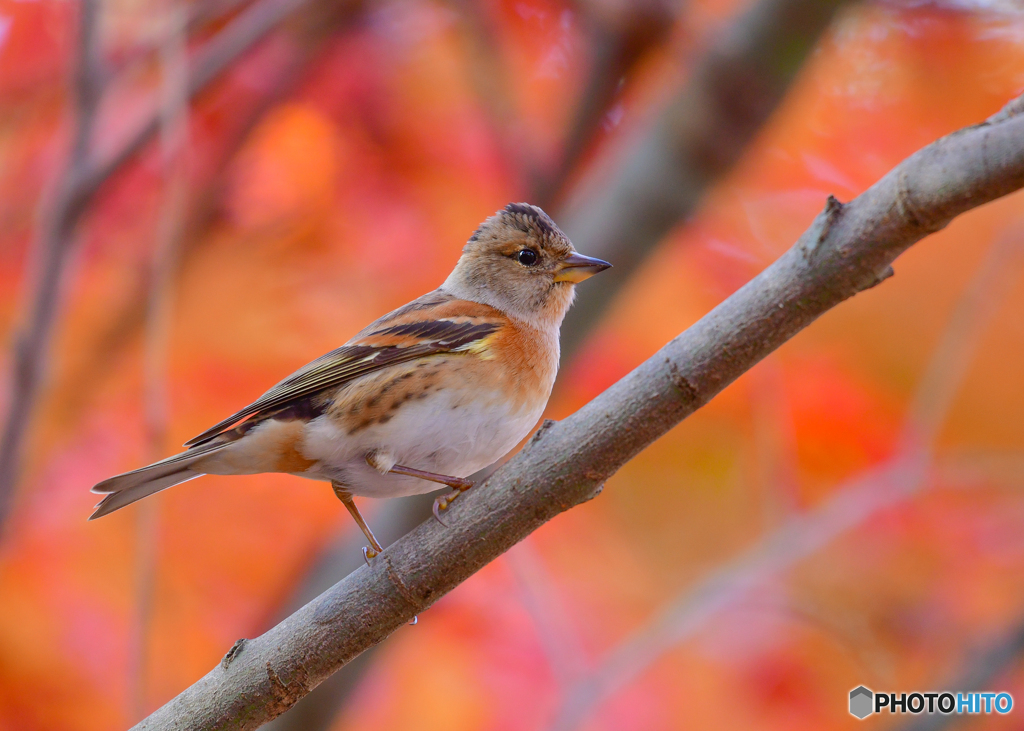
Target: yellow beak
x=577 y=267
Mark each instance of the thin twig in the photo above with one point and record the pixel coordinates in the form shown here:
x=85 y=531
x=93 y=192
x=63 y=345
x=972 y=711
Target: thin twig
x=847 y=249
x=163 y=270
x=250 y=27
x=86 y=173
x=52 y=246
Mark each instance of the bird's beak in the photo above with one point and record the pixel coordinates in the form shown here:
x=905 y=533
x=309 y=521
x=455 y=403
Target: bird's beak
x=577 y=267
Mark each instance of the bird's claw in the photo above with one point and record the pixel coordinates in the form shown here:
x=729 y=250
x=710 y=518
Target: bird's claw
x=369 y=554
x=440 y=504
x=444 y=502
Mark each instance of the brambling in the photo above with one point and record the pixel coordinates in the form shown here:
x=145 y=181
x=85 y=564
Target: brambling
x=429 y=393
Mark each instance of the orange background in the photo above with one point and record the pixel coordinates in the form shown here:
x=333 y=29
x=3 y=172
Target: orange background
x=354 y=193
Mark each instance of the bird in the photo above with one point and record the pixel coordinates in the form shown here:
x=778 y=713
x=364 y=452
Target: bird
x=428 y=394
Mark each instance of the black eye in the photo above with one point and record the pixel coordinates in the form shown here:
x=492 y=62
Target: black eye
x=527 y=257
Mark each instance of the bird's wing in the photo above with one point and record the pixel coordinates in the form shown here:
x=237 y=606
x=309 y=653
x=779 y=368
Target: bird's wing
x=381 y=345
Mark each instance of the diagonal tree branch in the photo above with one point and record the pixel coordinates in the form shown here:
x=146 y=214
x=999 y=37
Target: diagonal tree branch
x=847 y=249
x=880 y=487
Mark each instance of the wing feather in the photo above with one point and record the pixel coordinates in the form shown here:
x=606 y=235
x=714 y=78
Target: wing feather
x=349 y=362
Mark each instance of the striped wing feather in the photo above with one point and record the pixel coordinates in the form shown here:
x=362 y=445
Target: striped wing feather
x=349 y=362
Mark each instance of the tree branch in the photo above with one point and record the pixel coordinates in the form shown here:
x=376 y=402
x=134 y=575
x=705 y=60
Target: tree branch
x=618 y=42
x=880 y=487
x=847 y=249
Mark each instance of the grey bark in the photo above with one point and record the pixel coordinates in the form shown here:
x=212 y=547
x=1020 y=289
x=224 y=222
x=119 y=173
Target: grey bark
x=847 y=249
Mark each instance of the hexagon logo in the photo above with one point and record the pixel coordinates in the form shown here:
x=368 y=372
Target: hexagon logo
x=861 y=702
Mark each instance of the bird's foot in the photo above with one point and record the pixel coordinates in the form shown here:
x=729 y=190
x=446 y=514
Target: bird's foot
x=444 y=502
x=369 y=554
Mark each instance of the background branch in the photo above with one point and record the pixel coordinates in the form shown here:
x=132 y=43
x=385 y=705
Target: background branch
x=657 y=176
x=981 y=673
x=54 y=240
x=847 y=249
x=250 y=27
x=619 y=43
x=87 y=171
x=174 y=141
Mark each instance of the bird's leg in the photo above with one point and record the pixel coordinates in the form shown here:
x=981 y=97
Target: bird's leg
x=346 y=499
x=459 y=484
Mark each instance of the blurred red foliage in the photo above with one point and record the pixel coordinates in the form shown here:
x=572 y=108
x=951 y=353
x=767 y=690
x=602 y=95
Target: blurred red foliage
x=355 y=193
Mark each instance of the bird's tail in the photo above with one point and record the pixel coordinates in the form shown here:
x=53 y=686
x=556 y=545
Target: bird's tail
x=121 y=490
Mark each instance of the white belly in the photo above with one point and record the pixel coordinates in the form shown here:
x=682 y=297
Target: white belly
x=453 y=432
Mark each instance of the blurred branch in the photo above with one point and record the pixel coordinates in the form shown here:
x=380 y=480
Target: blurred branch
x=492 y=86
x=540 y=597
x=983 y=670
x=619 y=43
x=127 y=320
x=250 y=27
x=970 y=468
x=849 y=505
x=645 y=186
x=163 y=274
x=86 y=173
x=199 y=15
x=847 y=249
x=52 y=246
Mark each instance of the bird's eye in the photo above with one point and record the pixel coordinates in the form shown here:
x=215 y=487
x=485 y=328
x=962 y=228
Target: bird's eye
x=527 y=257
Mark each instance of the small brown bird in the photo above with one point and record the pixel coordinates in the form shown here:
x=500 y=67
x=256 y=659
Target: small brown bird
x=429 y=393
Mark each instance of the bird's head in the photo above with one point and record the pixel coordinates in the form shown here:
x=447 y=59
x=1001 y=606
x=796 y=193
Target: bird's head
x=519 y=262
